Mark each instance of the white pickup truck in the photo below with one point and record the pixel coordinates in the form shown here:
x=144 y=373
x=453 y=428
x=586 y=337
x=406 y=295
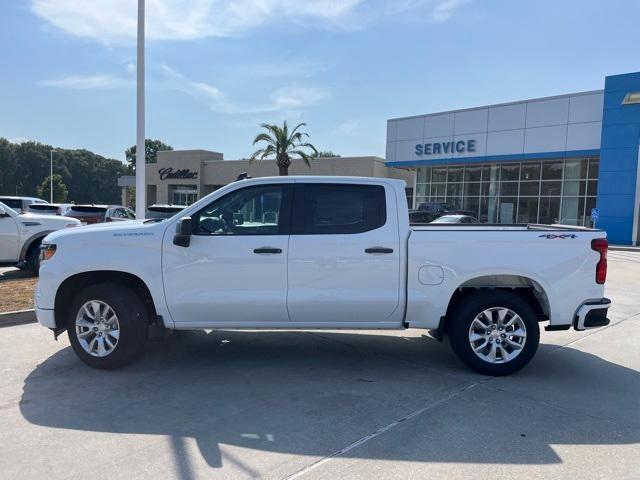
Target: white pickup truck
x=320 y=253
x=21 y=234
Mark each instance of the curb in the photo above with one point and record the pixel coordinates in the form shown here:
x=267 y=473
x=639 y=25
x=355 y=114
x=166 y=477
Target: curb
x=19 y=317
x=623 y=248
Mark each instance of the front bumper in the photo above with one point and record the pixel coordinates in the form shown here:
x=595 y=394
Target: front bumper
x=45 y=317
x=592 y=314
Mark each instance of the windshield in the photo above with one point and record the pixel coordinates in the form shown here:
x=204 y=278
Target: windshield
x=8 y=209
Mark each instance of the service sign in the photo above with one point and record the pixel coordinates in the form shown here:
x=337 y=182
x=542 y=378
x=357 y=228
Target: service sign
x=446 y=148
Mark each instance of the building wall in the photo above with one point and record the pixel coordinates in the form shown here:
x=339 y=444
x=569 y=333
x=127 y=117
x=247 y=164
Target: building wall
x=553 y=127
x=619 y=182
x=214 y=172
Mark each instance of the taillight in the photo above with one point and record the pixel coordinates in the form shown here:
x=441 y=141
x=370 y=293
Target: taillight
x=601 y=245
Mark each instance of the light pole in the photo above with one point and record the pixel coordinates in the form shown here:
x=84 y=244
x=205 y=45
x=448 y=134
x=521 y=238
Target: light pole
x=141 y=187
x=51 y=176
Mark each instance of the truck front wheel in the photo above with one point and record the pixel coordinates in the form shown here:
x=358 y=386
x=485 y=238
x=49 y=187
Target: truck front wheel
x=494 y=332
x=107 y=325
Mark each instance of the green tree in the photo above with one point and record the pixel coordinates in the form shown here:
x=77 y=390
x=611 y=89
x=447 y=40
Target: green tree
x=282 y=144
x=90 y=178
x=325 y=154
x=60 y=190
x=151 y=149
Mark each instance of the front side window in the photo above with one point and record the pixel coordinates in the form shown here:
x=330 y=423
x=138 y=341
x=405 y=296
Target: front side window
x=338 y=208
x=259 y=210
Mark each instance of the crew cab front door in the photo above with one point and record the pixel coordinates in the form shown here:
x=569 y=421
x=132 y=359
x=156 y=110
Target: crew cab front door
x=344 y=256
x=234 y=272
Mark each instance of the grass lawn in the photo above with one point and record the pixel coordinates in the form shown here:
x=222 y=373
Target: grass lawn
x=17 y=294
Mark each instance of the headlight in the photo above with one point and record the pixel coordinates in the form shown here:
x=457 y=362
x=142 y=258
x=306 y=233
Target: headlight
x=47 y=251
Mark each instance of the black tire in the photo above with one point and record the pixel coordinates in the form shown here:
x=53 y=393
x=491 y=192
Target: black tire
x=32 y=259
x=469 y=308
x=132 y=318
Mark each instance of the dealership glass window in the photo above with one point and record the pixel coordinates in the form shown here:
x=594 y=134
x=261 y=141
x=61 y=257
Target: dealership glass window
x=551 y=187
x=549 y=211
x=529 y=189
x=424 y=175
x=552 y=170
x=439 y=174
x=454 y=189
x=472 y=173
x=535 y=191
x=508 y=209
x=182 y=194
x=528 y=210
x=509 y=172
x=455 y=174
x=530 y=171
x=472 y=189
x=509 y=188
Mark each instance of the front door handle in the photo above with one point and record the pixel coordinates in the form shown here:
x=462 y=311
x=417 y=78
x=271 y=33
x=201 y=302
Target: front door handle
x=267 y=250
x=378 y=250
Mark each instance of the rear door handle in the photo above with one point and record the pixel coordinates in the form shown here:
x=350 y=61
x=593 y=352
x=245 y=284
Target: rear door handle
x=378 y=250
x=267 y=250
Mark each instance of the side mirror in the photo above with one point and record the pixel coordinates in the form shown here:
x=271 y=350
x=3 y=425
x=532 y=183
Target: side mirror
x=184 y=229
x=3 y=212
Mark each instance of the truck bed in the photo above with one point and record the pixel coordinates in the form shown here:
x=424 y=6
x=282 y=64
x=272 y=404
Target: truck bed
x=501 y=226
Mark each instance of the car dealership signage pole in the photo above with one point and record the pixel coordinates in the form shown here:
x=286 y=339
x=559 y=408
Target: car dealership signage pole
x=141 y=189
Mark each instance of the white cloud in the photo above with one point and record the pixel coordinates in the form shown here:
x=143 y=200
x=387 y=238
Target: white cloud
x=348 y=128
x=88 y=82
x=444 y=10
x=18 y=140
x=291 y=98
x=114 y=21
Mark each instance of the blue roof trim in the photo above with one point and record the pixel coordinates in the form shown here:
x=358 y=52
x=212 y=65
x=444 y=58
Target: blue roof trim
x=497 y=158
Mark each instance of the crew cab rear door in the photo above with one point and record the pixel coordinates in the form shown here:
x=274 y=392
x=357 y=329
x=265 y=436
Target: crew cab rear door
x=344 y=255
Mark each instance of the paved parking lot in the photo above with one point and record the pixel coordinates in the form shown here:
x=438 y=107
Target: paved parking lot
x=231 y=404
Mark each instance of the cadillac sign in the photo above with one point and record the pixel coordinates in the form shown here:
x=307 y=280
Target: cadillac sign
x=182 y=174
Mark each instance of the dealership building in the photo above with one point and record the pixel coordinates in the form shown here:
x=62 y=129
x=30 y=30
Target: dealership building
x=560 y=159
x=180 y=177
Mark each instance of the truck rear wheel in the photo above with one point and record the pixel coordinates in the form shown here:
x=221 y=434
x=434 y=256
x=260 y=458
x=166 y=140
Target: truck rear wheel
x=107 y=325
x=494 y=332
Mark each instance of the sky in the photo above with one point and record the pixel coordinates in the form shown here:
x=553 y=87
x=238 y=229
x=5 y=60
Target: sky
x=218 y=69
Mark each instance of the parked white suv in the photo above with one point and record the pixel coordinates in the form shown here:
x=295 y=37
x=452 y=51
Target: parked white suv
x=320 y=253
x=21 y=235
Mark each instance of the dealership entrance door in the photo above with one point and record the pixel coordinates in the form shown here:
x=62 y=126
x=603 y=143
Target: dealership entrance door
x=183 y=194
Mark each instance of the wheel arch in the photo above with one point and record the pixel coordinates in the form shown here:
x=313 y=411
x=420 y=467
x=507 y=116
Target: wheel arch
x=525 y=287
x=31 y=242
x=74 y=283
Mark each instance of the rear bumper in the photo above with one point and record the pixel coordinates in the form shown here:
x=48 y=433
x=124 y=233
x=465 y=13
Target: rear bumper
x=592 y=314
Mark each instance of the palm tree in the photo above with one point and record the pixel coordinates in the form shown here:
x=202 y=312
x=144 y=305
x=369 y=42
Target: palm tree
x=282 y=144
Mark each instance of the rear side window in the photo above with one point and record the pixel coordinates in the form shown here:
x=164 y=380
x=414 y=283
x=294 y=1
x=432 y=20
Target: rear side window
x=327 y=208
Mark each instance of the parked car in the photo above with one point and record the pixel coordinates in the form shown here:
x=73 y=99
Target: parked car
x=89 y=214
x=341 y=256
x=21 y=235
x=50 y=208
x=163 y=211
x=427 y=212
x=21 y=204
x=456 y=219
